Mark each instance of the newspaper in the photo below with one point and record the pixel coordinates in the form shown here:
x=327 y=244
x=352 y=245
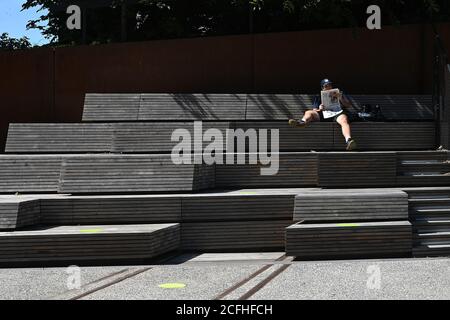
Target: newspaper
x=331 y=104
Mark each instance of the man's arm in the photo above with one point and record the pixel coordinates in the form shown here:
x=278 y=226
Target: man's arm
x=317 y=104
x=345 y=102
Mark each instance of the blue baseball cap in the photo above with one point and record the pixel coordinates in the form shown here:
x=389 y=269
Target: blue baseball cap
x=325 y=82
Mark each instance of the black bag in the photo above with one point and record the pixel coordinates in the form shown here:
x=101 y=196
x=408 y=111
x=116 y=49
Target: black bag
x=369 y=113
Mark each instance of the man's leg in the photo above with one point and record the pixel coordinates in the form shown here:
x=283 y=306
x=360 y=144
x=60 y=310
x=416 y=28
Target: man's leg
x=309 y=116
x=346 y=132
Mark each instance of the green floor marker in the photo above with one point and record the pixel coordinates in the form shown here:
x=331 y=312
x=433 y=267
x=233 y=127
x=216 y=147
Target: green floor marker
x=351 y=225
x=172 y=285
x=91 y=230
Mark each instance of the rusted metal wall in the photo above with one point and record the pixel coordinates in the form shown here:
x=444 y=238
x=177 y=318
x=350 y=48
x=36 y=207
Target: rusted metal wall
x=26 y=88
x=49 y=84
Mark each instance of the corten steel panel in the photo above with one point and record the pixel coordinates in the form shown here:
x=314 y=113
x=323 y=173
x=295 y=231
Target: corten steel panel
x=26 y=88
x=388 y=61
x=205 y=65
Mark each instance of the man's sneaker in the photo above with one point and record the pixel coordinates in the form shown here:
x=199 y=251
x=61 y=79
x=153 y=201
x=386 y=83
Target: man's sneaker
x=351 y=145
x=297 y=123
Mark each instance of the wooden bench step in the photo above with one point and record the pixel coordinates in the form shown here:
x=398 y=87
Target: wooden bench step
x=351 y=205
x=88 y=243
x=311 y=241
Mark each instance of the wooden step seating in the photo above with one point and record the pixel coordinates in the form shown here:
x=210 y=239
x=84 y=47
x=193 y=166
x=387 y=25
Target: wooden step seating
x=59 y=138
x=337 y=169
x=346 y=223
x=88 y=243
x=351 y=205
x=170 y=107
x=132 y=173
x=101 y=138
x=344 y=240
x=29 y=173
x=422 y=169
x=241 y=220
x=210 y=221
x=262 y=213
x=18 y=212
x=156 y=137
x=430 y=217
x=227 y=107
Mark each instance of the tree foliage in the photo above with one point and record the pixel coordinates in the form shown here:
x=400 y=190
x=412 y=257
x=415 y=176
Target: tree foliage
x=160 y=19
x=8 y=43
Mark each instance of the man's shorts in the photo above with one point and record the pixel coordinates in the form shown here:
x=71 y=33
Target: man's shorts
x=333 y=119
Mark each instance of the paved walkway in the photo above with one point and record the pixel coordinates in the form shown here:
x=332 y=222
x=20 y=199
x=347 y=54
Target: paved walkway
x=236 y=276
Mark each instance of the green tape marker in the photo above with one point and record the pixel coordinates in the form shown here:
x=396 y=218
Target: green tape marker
x=172 y=286
x=351 y=225
x=91 y=230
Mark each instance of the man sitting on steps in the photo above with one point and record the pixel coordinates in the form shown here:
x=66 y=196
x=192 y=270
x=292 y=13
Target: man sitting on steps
x=340 y=116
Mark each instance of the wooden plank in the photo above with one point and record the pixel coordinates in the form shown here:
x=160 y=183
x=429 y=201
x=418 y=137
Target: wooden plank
x=295 y=170
x=59 y=138
x=237 y=208
x=307 y=241
x=80 y=243
x=394 y=107
x=27 y=173
x=386 y=136
x=132 y=173
x=111 y=107
x=366 y=169
x=157 y=136
x=277 y=106
x=18 y=213
x=225 y=236
x=111 y=209
x=132 y=107
x=398 y=107
x=317 y=136
x=351 y=205
x=157 y=107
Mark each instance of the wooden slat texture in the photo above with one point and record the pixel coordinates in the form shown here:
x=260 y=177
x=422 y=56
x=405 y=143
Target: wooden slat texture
x=110 y=209
x=59 y=138
x=317 y=136
x=125 y=174
x=423 y=169
x=16 y=214
x=235 y=236
x=295 y=170
x=319 y=241
x=111 y=107
x=156 y=136
x=351 y=205
x=192 y=107
x=430 y=217
x=29 y=173
x=180 y=107
x=399 y=107
x=277 y=106
x=237 y=208
x=432 y=250
x=89 y=243
x=389 y=136
x=357 y=169
x=394 y=107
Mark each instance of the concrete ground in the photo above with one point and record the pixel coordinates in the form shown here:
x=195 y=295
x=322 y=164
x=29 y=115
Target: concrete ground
x=259 y=276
